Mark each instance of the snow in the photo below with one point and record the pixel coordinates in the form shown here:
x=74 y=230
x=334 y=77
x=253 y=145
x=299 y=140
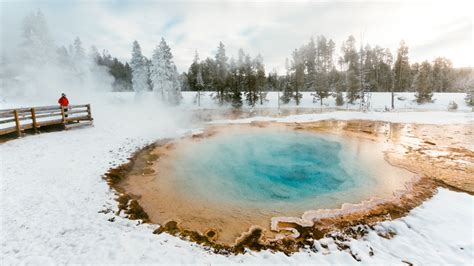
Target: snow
x=52 y=194
x=436 y=118
x=379 y=100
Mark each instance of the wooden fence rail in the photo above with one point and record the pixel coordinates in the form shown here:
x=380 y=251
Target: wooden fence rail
x=20 y=119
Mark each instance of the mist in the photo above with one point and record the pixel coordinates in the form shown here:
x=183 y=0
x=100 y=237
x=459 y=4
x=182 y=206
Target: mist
x=39 y=70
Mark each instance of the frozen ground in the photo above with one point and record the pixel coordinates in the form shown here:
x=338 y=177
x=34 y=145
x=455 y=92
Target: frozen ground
x=52 y=196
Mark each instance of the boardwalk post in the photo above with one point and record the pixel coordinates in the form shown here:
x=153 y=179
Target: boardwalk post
x=33 y=119
x=17 y=123
x=63 y=115
x=89 y=115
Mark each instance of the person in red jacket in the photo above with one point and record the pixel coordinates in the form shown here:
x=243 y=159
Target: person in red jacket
x=64 y=102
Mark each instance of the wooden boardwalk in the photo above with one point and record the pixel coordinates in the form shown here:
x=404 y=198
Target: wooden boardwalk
x=33 y=118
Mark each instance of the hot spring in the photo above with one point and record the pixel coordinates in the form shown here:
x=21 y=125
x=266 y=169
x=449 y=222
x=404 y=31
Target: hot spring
x=242 y=176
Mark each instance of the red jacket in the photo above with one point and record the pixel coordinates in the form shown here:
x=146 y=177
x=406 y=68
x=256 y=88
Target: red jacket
x=63 y=101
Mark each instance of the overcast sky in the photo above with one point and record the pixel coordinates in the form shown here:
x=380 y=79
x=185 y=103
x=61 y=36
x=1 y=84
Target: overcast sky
x=271 y=28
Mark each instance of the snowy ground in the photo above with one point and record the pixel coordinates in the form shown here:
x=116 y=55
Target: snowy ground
x=52 y=194
x=378 y=100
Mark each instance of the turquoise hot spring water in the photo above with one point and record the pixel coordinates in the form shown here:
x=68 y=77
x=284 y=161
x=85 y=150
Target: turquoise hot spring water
x=277 y=169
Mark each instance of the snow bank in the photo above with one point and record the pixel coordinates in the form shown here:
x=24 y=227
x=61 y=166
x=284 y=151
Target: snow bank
x=55 y=207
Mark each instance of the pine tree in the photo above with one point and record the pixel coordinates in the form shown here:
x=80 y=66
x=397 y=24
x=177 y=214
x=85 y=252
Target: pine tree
x=164 y=75
x=423 y=83
x=233 y=81
x=385 y=75
x=298 y=76
x=192 y=72
x=310 y=54
x=470 y=94
x=339 y=80
x=250 y=82
x=467 y=85
x=37 y=44
x=79 y=52
x=260 y=79
x=221 y=74
x=336 y=81
x=286 y=84
x=208 y=70
x=199 y=85
x=174 y=94
x=194 y=78
x=320 y=80
x=139 y=70
x=442 y=74
x=402 y=76
x=351 y=59
x=78 y=59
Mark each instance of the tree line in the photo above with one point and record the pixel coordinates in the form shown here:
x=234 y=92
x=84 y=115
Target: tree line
x=314 y=67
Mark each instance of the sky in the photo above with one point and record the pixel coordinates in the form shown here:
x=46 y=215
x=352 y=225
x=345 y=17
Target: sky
x=270 y=28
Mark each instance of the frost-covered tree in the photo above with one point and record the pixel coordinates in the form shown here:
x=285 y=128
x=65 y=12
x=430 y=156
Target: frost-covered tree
x=164 y=76
x=63 y=57
x=423 y=83
x=78 y=58
x=139 y=70
x=79 y=52
x=37 y=45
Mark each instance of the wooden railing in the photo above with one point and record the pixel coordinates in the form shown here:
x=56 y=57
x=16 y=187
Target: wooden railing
x=20 y=119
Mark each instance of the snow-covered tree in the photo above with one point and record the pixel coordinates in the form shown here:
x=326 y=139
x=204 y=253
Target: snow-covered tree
x=37 y=45
x=139 y=70
x=164 y=76
x=78 y=59
x=79 y=52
